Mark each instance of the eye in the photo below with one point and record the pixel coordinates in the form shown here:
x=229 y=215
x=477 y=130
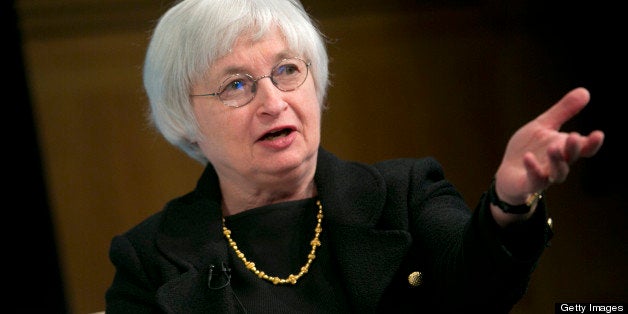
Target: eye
x=287 y=69
x=234 y=85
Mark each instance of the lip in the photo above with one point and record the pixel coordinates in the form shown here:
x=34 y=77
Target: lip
x=278 y=142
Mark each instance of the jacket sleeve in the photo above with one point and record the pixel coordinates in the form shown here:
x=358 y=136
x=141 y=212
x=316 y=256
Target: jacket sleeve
x=467 y=260
x=499 y=262
x=131 y=290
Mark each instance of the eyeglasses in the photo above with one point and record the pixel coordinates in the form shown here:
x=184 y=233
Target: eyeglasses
x=238 y=89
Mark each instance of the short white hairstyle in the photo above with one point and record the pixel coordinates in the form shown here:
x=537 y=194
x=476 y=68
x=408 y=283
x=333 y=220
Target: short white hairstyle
x=193 y=34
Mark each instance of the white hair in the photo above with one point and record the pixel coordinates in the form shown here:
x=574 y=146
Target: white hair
x=193 y=34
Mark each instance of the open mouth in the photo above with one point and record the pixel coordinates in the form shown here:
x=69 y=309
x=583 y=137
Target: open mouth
x=276 y=134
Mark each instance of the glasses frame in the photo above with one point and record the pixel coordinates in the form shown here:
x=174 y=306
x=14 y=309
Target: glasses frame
x=255 y=80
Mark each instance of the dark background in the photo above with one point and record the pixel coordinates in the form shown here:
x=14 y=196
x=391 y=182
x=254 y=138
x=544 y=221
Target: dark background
x=31 y=261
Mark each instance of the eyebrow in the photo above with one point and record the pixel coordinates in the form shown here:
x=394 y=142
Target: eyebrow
x=237 y=69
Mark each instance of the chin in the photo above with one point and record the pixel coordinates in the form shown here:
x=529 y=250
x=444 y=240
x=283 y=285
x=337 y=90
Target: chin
x=290 y=161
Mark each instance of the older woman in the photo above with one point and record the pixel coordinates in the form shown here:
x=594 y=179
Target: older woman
x=278 y=224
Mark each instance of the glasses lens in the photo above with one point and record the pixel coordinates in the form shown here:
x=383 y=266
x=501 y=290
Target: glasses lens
x=237 y=90
x=289 y=74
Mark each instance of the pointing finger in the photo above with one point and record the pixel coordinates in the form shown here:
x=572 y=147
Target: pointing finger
x=565 y=108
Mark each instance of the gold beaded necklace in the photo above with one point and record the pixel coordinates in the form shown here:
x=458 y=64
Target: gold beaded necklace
x=291 y=278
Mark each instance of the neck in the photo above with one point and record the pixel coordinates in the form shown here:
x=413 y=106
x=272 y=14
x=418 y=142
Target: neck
x=236 y=199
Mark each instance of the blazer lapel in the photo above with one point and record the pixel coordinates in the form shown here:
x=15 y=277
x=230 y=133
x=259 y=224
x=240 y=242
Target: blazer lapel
x=191 y=237
x=355 y=195
x=368 y=260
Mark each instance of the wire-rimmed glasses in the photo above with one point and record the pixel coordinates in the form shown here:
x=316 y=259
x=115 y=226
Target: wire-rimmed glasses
x=238 y=89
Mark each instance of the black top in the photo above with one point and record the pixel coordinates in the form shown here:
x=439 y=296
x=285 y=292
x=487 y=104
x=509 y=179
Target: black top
x=277 y=239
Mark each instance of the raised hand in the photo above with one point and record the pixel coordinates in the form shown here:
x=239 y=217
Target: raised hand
x=538 y=154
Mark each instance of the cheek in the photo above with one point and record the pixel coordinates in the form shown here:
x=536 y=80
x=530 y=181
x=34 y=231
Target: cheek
x=312 y=109
x=217 y=139
x=313 y=116
x=203 y=117
x=307 y=93
x=310 y=116
x=210 y=125
x=219 y=127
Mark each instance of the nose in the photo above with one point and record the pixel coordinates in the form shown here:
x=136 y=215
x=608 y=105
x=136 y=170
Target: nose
x=270 y=98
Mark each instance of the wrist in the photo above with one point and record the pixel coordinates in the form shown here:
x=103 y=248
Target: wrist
x=524 y=208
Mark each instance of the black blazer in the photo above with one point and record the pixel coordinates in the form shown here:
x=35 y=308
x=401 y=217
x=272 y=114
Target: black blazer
x=385 y=221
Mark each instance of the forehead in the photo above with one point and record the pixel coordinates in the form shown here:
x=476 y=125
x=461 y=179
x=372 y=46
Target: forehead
x=251 y=54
